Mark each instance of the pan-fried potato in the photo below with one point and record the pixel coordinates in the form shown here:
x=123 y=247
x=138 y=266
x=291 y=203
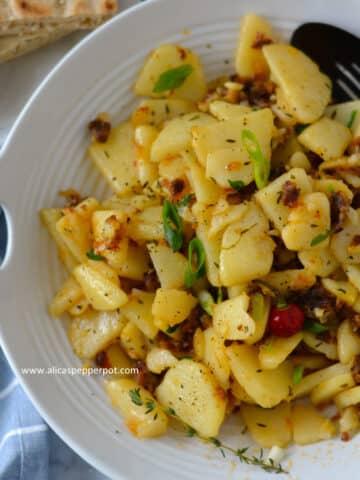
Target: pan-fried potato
x=92 y=332
x=267 y=387
x=138 y=311
x=344 y=291
x=329 y=388
x=133 y=341
x=327 y=138
x=139 y=420
x=349 y=421
x=214 y=356
x=268 y=426
x=170 y=266
x=118 y=359
x=309 y=426
x=171 y=306
x=200 y=403
x=136 y=264
x=250 y=60
x=146 y=225
x=259 y=311
x=318 y=345
x=348 y=342
x=348 y=397
x=206 y=190
x=157 y=111
x=290 y=280
x=69 y=295
x=165 y=58
x=342 y=243
x=240 y=393
x=343 y=112
x=319 y=262
x=160 y=359
x=144 y=137
x=227 y=111
x=212 y=247
x=231 y=320
x=276 y=350
x=222 y=217
x=307 y=91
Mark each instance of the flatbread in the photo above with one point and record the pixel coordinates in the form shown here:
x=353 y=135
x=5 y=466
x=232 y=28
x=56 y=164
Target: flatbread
x=18 y=17
x=12 y=46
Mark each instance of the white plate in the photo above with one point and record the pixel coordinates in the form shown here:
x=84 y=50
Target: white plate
x=45 y=153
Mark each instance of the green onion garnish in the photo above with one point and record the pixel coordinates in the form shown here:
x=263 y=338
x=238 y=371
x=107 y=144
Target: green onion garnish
x=206 y=302
x=258 y=308
x=352 y=118
x=192 y=274
x=92 y=256
x=320 y=238
x=173 y=228
x=172 y=78
x=186 y=199
x=261 y=165
x=237 y=185
x=173 y=328
x=298 y=374
x=315 y=327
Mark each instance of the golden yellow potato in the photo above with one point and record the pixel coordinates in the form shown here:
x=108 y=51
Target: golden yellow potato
x=310 y=381
x=160 y=359
x=319 y=262
x=343 y=113
x=276 y=350
x=231 y=320
x=214 y=356
x=157 y=111
x=227 y=111
x=348 y=342
x=170 y=266
x=309 y=426
x=344 y=291
x=171 y=306
x=288 y=280
x=69 y=295
x=133 y=341
x=139 y=311
x=136 y=264
x=327 y=389
x=348 y=397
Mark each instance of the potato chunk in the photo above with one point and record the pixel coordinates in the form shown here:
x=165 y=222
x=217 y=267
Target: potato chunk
x=310 y=381
x=227 y=111
x=267 y=387
x=231 y=320
x=250 y=60
x=214 y=356
x=310 y=426
x=160 y=359
x=134 y=403
x=170 y=266
x=138 y=310
x=268 y=427
x=327 y=138
x=275 y=350
x=307 y=91
x=191 y=390
x=157 y=111
x=327 y=389
x=343 y=113
x=171 y=306
x=320 y=262
x=164 y=59
x=348 y=342
x=69 y=294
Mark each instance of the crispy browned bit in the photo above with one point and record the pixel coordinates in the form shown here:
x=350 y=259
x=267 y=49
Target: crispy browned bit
x=128 y=284
x=355 y=241
x=345 y=436
x=177 y=186
x=315 y=161
x=355 y=369
x=102 y=360
x=261 y=40
x=354 y=146
x=145 y=378
x=355 y=321
x=339 y=207
x=290 y=194
x=72 y=197
x=242 y=195
x=100 y=129
x=181 y=52
x=151 y=281
x=315 y=298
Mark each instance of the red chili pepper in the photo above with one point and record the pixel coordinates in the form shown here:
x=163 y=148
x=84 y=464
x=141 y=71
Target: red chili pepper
x=285 y=322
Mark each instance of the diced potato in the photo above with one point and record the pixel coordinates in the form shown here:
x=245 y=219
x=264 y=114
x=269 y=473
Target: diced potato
x=199 y=344
x=139 y=420
x=146 y=225
x=276 y=349
x=327 y=138
x=170 y=169
x=343 y=113
x=353 y=274
x=200 y=403
x=171 y=306
x=268 y=197
x=282 y=153
x=115 y=158
x=227 y=111
x=132 y=203
x=268 y=427
x=118 y=359
x=212 y=247
x=289 y=280
x=348 y=398
x=138 y=311
x=221 y=218
x=319 y=262
x=136 y=264
x=214 y=356
x=101 y=292
x=267 y=387
x=342 y=243
x=239 y=392
x=160 y=359
x=259 y=310
x=349 y=421
x=318 y=345
x=310 y=361
x=74 y=227
x=250 y=60
x=344 y=291
x=300 y=160
x=92 y=332
x=144 y=137
x=170 y=266
x=226 y=135
x=165 y=58
x=133 y=341
x=331 y=185
x=308 y=224
x=157 y=111
x=236 y=290
x=310 y=381
x=307 y=91
x=231 y=320
x=80 y=307
x=175 y=137
x=327 y=389
x=229 y=165
x=68 y=296
x=348 y=342
x=309 y=426
x=49 y=217
x=206 y=190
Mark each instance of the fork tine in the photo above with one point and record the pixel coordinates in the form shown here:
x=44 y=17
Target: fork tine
x=345 y=88
x=354 y=82
x=356 y=67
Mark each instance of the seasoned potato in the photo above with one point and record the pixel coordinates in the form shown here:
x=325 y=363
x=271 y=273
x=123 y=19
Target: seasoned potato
x=171 y=306
x=69 y=295
x=267 y=387
x=92 y=332
x=289 y=280
x=349 y=421
x=318 y=345
x=320 y=262
x=259 y=311
x=307 y=91
x=160 y=359
x=250 y=60
x=231 y=320
x=353 y=274
x=146 y=225
x=327 y=138
x=308 y=224
x=228 y=214
x=138 y=311
x=343 y=245
x=212 y=247
x=214 y=356
x=118 y=359
x=170 y=266
x=343 y=113
x=348 y=397
x=115 y=158
x=165 y=58
x=200 y=403
x=136 y=264
x=229 y=165
x=327 y=389
x=275 y=350
x=142 y=414
x=344 y=291
x=206 y=190
x=310 y=381
x=239 y=392
x=133 y=341
x=157 y=111
x=331 y=185
x=227 y=111
x=348 y=342
x=144 y=137
x=268 y=426
x=80 y=307
x=268 y=197
x=310 y=426
x=310 y=361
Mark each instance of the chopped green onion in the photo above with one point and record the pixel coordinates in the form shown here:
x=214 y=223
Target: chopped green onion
x=191 y=275
x=173 y=228
x=219 y=298
x=299 y=128
x=173 y=328
x=258 y=307
x=298 y=374
x=261 y=165
x=315 y=327
x=237 y=185
x=352 y=118
x=172 y=78
x=206 y=302
x=186 y=199
x=320 y=238
x=92 y=256
x=281 y=303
